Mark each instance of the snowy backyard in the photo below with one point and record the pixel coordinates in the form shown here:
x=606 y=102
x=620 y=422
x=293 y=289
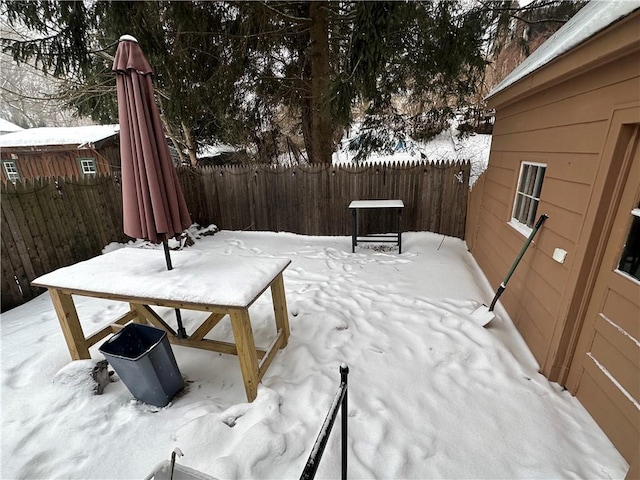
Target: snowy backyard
x=431 y=393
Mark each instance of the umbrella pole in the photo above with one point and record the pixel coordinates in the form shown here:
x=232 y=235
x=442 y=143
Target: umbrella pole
x=182 y=332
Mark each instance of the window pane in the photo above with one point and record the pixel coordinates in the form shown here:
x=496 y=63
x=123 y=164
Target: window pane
x=88 y=166
x=533 y=208
x=630 y=260
x=523 y=177
x=520 y=207
x=527 y=198
x=524 y=207
x=11 y=170
x=528 y=186
x=539 y=178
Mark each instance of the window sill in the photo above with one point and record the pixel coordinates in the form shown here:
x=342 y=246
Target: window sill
x=628 y=276
x=521 y=228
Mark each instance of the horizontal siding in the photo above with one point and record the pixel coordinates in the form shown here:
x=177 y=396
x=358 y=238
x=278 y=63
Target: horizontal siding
x=563 y=222
x=591 y=87
x=495 y=202
x=502 y=175
x=581 y=138
x=509 y=242
x=557 y=273
x=537 y=285
x=567 y=195
x=611 y=409
x=59 y=163
x=536 y=341
x=573 y=167
x=617 y=308
x=539 y=315
x=487 y=261
x=571 y=111
x=618 y=354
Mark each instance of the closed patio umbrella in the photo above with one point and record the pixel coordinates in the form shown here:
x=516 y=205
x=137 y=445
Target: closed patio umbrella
x=154 y=208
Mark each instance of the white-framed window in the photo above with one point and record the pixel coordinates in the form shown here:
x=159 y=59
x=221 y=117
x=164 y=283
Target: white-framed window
x=88 y=166
x=630 y=258
x=525 y=205
x=10 y=170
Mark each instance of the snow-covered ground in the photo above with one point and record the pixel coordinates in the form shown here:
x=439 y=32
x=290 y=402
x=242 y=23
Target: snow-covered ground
x=431 y=393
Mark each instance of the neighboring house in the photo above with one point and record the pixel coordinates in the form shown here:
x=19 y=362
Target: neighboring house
x=8 y=127
x=565 y=143
x=60 y=151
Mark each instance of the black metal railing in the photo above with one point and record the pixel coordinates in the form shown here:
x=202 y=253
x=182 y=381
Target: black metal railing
x=339 y=402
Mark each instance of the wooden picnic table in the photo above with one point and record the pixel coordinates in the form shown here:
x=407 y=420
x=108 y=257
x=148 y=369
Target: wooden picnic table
x=204 y=281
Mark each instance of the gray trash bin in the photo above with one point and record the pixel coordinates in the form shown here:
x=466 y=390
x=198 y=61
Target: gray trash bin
x=143 y=359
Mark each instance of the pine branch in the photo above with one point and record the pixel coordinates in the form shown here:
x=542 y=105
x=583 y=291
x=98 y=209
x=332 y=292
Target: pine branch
x=529 y=8
x=285 y=15
x=534 y=22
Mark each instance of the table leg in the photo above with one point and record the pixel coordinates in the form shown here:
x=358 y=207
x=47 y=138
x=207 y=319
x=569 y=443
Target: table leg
x=138 y=318
x=280 y=308
x=71 y=328
x=243 y=334
x=354 y=229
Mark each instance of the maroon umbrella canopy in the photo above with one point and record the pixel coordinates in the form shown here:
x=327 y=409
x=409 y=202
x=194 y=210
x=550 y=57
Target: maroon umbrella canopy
x=153 y=204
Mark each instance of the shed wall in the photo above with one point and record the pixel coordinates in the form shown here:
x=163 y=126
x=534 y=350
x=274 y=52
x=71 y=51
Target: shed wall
x=565 y=127
x=580 y=116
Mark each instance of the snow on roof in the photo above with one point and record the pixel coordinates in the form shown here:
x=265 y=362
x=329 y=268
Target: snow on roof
x=444 y=147
x=7 y=126
x=592 y=18
x=213 y=150
x=32 y=137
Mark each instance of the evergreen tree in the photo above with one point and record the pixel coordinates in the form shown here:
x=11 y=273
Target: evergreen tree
x=258 y=73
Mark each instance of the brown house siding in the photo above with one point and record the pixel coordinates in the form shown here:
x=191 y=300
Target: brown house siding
x=576 y=115
x=54 y=161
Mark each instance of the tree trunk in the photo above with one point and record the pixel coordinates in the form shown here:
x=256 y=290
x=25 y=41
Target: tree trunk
x=191 y=146
x=170 y=132
x=319 y=113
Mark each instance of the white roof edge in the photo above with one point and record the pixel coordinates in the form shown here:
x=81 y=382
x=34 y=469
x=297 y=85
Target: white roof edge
x=7 y=126
x=591 y=19
x=37 y=137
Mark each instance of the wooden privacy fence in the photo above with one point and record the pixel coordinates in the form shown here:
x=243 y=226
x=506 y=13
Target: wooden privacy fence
x=54 y=222
x=314 y=200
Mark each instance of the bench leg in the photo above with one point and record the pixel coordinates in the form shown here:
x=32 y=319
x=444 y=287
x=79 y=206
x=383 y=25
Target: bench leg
x=354 y=230
x=243 y=334
x=399 y=231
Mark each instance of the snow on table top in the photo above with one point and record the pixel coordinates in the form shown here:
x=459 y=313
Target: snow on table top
x=197 y=277
x=376 y=204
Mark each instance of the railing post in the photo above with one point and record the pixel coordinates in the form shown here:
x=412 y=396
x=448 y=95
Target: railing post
x=339 y=402
x=344 y=372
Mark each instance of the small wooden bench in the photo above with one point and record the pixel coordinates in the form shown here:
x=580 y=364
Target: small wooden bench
x=395 y=237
